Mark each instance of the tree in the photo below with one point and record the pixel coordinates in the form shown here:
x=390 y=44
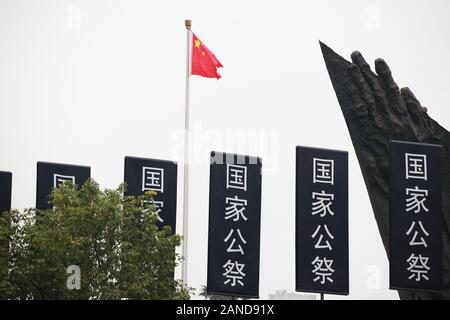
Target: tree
x=111 y=239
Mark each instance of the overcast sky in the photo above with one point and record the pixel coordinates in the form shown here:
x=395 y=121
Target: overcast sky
x=89 y=82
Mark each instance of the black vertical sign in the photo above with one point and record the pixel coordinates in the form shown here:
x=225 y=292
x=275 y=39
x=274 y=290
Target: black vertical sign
x=52 y=175
x=415 y=213
x=321 y=243
x=5 y=191
x=234 y=225
x=142 y=175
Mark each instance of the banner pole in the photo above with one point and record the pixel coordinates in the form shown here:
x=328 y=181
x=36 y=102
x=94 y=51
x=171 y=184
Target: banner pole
x=188 y=24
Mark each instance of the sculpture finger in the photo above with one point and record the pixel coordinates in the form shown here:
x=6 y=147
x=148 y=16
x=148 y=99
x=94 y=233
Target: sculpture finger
x=370 y=77
x=390 y=87
x=412 y=103
x=418 y=113
x=381 y=102
x=384 y=72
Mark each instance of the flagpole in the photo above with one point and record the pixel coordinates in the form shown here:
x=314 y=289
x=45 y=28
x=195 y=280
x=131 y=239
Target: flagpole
x=188 y=24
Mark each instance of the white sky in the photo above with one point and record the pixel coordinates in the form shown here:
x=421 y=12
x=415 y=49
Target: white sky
x=88 y=82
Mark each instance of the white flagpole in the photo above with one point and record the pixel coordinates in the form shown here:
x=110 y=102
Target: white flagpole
x=188 y=24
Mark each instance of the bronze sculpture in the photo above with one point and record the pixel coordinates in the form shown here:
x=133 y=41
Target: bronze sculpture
x=377 y=111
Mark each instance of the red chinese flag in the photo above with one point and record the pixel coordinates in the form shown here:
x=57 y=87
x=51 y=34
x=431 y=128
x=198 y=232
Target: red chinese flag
x=204 y=62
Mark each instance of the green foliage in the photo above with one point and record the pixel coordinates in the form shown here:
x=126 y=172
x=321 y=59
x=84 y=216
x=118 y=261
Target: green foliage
x=112 y=238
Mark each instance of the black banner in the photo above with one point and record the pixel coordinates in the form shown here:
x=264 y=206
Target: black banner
x=321 y=243
x=143 y=175
x=234 y=225
x=415 y=212
x=5 y=191
x=52 y=175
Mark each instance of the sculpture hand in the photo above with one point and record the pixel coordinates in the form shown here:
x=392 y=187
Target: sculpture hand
x=377 y=111
x=396 y=112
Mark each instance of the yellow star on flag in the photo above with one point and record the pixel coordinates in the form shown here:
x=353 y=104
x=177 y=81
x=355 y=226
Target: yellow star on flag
x=197 y=43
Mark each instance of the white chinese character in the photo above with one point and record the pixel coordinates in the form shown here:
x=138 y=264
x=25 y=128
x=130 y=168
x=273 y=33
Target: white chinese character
x=416 y=200
x=236 y=177
x=319 y=244
x=159 y=205
x=235 y=208
x=153 y=179
x=233 y=241
x=59 y=179
x=323 y=171
x=323 y=270
x=416 y=166
x=234 y=273
x=323 y=203
x=418 y=267
x=414 y=241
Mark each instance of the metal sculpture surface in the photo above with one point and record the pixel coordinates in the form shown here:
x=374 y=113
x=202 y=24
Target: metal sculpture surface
x=377 y=111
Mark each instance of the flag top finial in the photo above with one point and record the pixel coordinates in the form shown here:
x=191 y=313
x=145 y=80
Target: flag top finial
x=188 y=24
